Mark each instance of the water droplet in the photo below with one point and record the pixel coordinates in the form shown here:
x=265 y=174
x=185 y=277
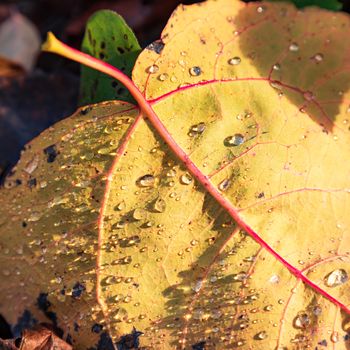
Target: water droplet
x=195 y=71
x=242 y=276
x=224 y=185
x=234 y=61
x=197 y=286
x=120 y=206
x=153 y=69
x=260 y=9
x=139 y=214
x=198 y=128
x=261 y=335
x=235 y=140
x=318 y=58
x=268 y=307
x=186 y=179
x=274 y=279
x=194 y=242
x=293 y=47
x=146 y=181
x=120 y=315
x=302 y=321
x=159 y=205
x=163 y=76
x=334 y=337
x=336 y=278
x=317 y=310
x=276 y=66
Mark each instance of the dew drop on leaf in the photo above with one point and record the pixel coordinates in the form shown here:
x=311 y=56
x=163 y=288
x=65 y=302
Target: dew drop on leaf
x=120 y=315
x=224 y=185
x=276 y=66
x=334 y=337
x=317 y=310
x=139 y=214
x=163 y=77
x=302 y=321
x=293 y=47
x=318 y=58
x=186 y=179
x=195 y=71
x=159 y=205
x=261 y=335
x=198 y=129
x=196 y=287
x=234 y=140
x=146 y=181
x=234 y=61
x=153 y=69
x=336 y=278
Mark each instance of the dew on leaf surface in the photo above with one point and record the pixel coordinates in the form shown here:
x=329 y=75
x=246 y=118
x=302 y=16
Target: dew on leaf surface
x=234 y=61
x=139 y=214
x=163 y=77
x=293 y=47
x=302 y=321
x=159 y=205
x=153 y=69
x=197 y=129
x=336 y=278
x=146 y=181
x=276 y=66
x=186 y=179
x=224 y=185
x=334 y=337
x=195 y=71
x=261 y=335
x=318 y=57
x=235 y=140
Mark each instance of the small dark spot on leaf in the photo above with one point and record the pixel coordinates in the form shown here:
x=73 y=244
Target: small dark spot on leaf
x=157 y=46
x=77 y=290
x=261 y=195
x=114 y=84
x=96 y=328
x=199 y=346
x=323 y=342
x=24 y=224
x=125 y=36
x=76 y=327
x=120 y=50
x=32 y=182
x=51 y=153
x=103 y=45
x=129 y=341
x=18 y=182
x=101 y=55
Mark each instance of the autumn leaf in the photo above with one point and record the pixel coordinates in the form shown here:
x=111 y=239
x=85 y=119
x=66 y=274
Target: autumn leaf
x=212 y=216
x=110 y=39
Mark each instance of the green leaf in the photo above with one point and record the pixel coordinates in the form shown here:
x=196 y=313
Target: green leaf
x=334 y=5
x=109 y=38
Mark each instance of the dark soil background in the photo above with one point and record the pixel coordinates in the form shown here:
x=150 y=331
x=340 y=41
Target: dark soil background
x=29 y=103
